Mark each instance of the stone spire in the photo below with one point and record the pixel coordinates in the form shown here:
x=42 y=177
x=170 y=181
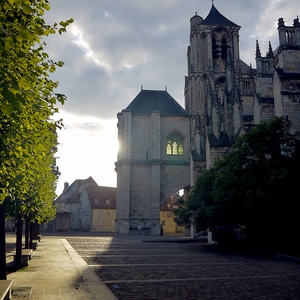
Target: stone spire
x=270 y=53
x=258 y=54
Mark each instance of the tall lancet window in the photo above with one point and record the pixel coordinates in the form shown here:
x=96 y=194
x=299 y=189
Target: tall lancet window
x=214 y=48
x=224 y=49
x=219 y=41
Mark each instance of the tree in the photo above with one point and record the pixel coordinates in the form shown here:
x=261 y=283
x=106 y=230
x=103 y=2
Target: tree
x=252 y=187
x=27 y=104
x=192 y=212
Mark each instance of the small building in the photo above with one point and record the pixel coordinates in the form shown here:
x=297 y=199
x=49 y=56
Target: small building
x=167 y=216
x=84 y=205
x=97 y=209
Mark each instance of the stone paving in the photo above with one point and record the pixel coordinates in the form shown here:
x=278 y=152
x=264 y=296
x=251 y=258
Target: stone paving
x=144 y=267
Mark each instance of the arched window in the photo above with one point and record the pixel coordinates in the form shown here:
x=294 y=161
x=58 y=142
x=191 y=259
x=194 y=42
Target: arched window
x=169 y=148
x=174 y=148
x=220 y=44
x=174 y=145
x=180 y=149
x=214 y=48
x=224 y=49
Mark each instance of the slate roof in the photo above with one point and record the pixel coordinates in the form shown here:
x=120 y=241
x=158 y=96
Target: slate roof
x=73 y=192
x=66 y=194
x=216 y=18
x=169 y=204
x=74 y=198
x=148 y=101
x=102 y=193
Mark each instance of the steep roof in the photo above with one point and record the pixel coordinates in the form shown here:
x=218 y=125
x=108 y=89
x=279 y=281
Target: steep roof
x=73 y=198
x=216 y=18
x=169 y=204
x=102 y=197
x=148 y=101
x=73 y=192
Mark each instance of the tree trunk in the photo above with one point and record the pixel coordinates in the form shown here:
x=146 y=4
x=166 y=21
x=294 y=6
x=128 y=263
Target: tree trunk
x=31 y=234
x=27 y=234
x=36 y=231
x=18 y=260
x=2 y=245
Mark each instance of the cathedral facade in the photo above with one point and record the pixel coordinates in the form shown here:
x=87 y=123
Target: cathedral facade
x=163 y=147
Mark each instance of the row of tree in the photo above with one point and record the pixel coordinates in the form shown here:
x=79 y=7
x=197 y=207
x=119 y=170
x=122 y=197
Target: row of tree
x=28 y=138
x=253 y=189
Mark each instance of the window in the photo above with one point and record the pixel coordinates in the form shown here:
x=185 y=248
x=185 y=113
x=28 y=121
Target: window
x=169 y=148
x=219 y=48
x=214 y=48
x=180 y=150
x=220 y=43
x=174 y=148
x=174 y=144
x=224 y=49
x=247 y=87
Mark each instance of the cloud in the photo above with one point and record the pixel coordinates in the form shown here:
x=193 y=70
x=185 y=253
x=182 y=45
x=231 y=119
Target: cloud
x=114 y=47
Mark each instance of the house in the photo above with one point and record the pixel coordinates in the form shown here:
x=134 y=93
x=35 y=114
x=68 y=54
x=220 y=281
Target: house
x=167 y=216
x=97 y=209
x=84 y=205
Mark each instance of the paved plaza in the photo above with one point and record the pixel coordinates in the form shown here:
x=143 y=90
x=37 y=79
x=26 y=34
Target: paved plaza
x=146 y=267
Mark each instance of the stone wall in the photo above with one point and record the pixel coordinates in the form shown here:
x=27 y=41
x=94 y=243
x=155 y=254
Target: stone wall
x=147 y=175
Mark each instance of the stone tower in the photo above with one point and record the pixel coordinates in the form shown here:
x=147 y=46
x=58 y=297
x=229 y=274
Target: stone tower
x=163 y=147
x=153 y=159
x=212 y=87
x=278 y=78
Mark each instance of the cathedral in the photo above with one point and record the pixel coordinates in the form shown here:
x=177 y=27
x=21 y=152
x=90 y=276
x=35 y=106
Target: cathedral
x=163 y=147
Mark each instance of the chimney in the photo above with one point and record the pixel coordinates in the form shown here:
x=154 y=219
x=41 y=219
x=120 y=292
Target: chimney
x=66 y=186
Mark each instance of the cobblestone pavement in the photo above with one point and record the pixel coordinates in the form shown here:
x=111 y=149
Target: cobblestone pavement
x=141 y=267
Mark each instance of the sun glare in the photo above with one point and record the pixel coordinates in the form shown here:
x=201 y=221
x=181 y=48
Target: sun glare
x=94 y=145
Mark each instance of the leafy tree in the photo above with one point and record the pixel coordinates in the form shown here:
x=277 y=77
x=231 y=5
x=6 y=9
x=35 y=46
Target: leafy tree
x=252 y=187
x=192 y=212
x=27 y=104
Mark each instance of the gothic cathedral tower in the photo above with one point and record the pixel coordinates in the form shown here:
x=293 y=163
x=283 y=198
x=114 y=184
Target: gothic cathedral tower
x=212 y=96
x=163 y=147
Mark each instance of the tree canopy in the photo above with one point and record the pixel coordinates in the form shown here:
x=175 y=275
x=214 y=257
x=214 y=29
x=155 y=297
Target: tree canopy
x=28 y=138
x=27 y=101
x=252 y=187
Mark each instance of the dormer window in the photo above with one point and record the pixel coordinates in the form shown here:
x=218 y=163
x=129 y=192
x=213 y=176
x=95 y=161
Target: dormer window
x=107 y=201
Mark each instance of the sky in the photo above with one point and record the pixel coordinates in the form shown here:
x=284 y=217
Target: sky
x=116 y=47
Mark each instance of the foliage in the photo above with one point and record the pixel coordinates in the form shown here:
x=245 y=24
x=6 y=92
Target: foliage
x=28 y=137
x=252 y=187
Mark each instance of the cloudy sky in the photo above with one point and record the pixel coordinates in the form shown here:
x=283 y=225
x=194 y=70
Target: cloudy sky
x=116 y=46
